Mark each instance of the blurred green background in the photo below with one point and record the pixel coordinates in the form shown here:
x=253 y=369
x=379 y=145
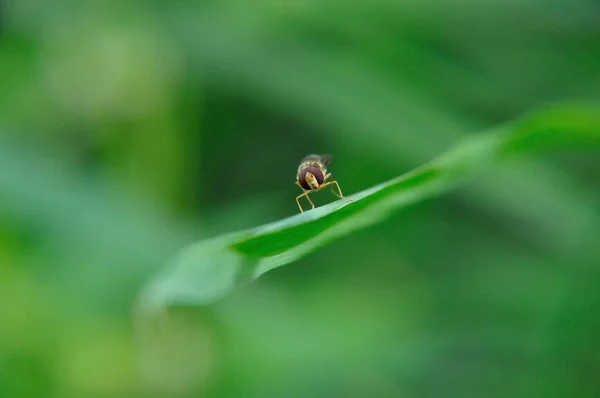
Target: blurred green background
x=129 y=129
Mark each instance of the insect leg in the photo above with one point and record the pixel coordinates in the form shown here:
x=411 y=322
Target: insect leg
x=328 y=183
x=310 y=201
x=340 y=195
x=298 y=201
x=305 y=193
x=340 y=191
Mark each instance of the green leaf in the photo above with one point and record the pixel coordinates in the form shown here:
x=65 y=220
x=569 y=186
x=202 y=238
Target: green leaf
x=208 y=270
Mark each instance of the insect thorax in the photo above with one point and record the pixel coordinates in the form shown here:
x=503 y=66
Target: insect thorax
x=305 y=165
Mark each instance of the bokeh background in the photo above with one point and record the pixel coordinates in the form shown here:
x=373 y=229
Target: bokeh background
x=129 y=129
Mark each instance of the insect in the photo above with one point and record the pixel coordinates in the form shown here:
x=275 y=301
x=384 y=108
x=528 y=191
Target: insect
x=312 y=176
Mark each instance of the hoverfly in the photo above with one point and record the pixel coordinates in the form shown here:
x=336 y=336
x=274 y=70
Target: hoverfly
x=312 y=176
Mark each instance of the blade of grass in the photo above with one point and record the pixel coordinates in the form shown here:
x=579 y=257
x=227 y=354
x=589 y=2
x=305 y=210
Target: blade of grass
x=208 y=270
x=245 y=62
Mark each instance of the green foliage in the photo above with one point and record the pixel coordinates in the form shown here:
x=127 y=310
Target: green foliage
x=210 y=269
x=131 y=130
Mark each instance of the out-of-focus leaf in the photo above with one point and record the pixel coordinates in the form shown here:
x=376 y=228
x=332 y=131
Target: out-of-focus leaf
x=208 y=270
x=373 y=109
x=102 y=227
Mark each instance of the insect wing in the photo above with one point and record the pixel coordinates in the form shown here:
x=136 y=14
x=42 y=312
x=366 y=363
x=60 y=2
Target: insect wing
x=325 y=159
x=311 y=158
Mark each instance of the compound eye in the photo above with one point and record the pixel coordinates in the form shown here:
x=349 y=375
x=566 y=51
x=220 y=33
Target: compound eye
x=314 y=171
